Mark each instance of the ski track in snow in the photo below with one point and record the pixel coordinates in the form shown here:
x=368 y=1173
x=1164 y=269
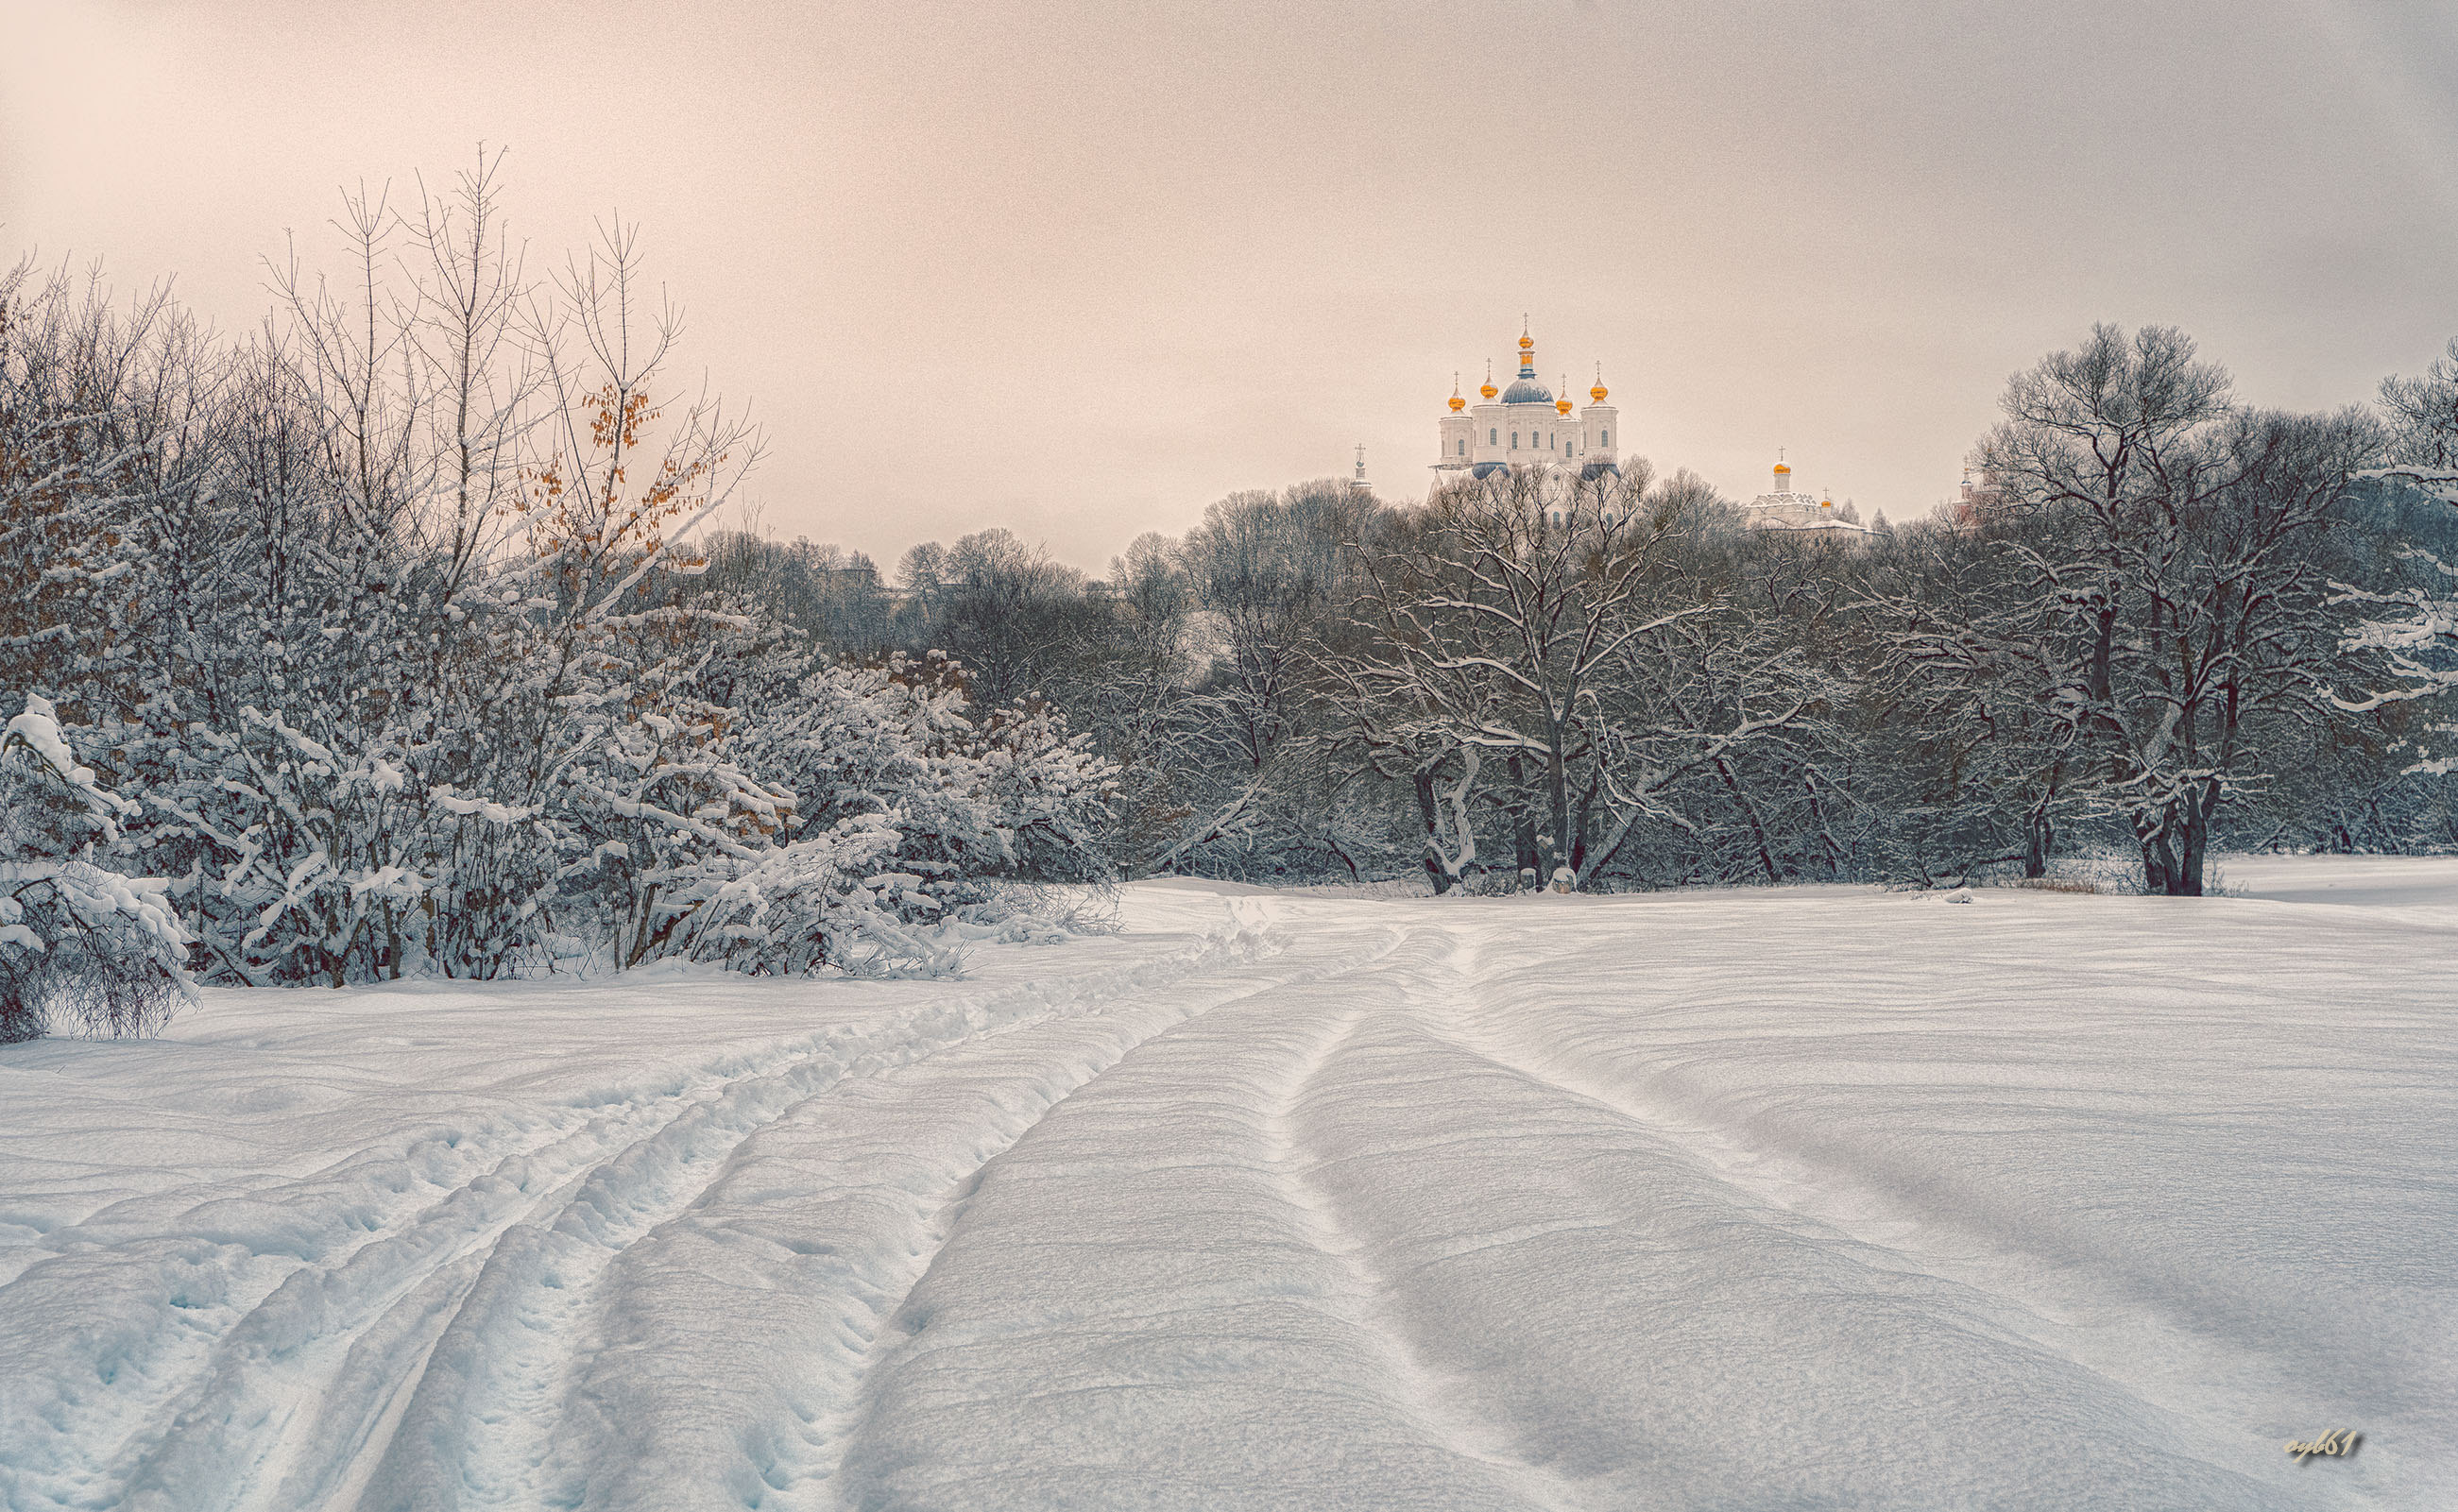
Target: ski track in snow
x=899 y=1163
x=1311 y=1201
x=1231 y=1251
x=315 y=1316
x=2194 y=1372
x=1436 y=1397
x=1791 y=1189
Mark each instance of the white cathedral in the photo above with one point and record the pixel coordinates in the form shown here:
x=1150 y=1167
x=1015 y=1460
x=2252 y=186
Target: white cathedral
x=1527 y=426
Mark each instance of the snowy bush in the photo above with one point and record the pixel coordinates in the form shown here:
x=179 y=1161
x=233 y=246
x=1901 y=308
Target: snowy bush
x=827 y=900
x=975 y=799
x=76 y=940
x=889 y=812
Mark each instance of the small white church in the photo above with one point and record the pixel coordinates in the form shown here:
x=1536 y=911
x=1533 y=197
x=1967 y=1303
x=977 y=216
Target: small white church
x=1782 y=509
x=1526 y=425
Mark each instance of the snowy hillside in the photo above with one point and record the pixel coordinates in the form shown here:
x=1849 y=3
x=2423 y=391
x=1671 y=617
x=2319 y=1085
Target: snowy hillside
x=1768 y=1198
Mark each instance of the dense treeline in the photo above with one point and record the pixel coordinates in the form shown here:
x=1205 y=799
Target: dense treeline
x=400 y=637
x=2174 y=623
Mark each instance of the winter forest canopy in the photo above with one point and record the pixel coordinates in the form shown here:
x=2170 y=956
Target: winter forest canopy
x=418 y=633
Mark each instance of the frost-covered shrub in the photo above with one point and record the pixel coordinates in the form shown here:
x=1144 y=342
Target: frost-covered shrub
x=1048 y=792
x=974 y=798
x=881 y=811
x=1001 y=793
x=76 y=940
x=816 y=903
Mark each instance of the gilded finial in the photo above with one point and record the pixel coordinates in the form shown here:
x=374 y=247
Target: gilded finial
x=1597 y=393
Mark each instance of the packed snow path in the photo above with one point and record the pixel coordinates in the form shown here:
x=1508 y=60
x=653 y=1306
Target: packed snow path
x=1809 y=1197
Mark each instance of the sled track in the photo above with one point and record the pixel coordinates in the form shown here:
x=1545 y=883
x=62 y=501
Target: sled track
x=949 y=1208
x=592 y=1428
x=1371 y=1290
x=908 y=1161
x=378 y=1314
x=1780 y=1184
x=1280 y=1318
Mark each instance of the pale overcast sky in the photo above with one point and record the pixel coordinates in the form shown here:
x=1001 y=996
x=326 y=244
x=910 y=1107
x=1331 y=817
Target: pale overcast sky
x=1111 y=263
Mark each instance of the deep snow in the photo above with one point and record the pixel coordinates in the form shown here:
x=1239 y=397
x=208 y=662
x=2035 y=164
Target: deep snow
x=1767 y=1198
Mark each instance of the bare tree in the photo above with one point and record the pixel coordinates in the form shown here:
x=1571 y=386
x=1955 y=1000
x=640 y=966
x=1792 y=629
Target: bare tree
x=1962 y=669
x=1541 y=615
x=2423 y=414
x=2408 y=639
x=2178 y=571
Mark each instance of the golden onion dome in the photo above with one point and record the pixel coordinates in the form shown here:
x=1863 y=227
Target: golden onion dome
x=1489 y=389
x=1597 y=393
x=1457 y=404
x=1562 y=405
x=1781 y=469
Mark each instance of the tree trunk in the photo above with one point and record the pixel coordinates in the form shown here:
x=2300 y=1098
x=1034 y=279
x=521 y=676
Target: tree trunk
x=1749 y=811
x=2197 y=841
x=2039 y=828
x=1557 y=794
x=1832 y=847
x=1579 y=831
x=2160 y=872
x=1424 y=781
x=1523 y=827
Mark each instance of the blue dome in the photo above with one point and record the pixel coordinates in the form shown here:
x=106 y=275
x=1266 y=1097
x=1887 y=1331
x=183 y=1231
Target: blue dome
x=1527 y=391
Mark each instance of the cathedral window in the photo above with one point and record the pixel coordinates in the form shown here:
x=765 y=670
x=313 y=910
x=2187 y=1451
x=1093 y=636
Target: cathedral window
x=1605 y=440
x=1514 y=440
x=1492 y=435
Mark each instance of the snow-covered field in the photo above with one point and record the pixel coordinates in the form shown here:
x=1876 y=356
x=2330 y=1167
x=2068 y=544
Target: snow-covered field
x=1818 y=1198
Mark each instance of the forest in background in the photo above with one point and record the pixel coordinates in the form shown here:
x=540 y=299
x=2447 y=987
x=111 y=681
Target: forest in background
x=405 y=635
